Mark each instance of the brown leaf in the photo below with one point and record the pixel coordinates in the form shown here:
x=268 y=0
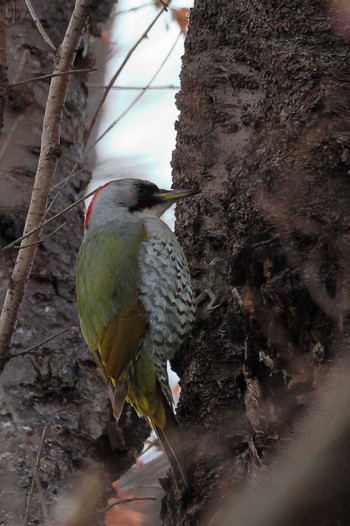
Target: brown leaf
x=181 y=16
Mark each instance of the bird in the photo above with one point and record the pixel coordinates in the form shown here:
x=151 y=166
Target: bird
x=136 y=302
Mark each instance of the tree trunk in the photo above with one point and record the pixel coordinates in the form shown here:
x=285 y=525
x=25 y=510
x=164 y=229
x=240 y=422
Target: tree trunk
x=264 y=132
x=3 y=62
x=54 y=388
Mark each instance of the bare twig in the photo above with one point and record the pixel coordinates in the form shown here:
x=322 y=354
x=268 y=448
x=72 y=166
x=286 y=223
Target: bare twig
x=95 y=85
x=44 y=223
x=48 y=221
x=35 y=474
x=60 y=187
x=142 y=6
x=49 y=154
x=259 y=243
x=41 y=240
x=39 y=26
x=138 y=97
x=117 y=73
x=40 y=344
x=164 y=4
x=61 y=184
x=124 y=501
x=51 y=75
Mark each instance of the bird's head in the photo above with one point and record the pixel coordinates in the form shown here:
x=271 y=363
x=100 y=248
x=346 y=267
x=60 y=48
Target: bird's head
x=136 y=195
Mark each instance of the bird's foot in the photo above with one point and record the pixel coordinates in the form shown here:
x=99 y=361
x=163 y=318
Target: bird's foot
x=208 y=294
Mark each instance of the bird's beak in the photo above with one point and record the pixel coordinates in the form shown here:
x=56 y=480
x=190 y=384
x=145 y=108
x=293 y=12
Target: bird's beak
x=174 y=195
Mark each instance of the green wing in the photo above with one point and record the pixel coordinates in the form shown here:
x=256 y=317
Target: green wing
x=107 y=280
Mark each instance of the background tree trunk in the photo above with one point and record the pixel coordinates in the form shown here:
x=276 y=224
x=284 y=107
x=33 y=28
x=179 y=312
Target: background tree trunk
x=3 y=61
x=55 y=387
x=264 y=132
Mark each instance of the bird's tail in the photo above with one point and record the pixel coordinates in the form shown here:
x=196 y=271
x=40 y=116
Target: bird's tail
x=170 y=440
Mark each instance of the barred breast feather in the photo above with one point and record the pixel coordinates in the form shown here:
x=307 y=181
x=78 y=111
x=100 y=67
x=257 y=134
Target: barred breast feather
x=166 y=289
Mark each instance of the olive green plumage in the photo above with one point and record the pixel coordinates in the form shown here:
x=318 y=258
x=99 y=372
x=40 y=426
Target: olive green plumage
x=107 y=273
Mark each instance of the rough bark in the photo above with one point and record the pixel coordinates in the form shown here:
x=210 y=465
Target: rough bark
x=3 y=61
x=55 y=386
x=264 y=132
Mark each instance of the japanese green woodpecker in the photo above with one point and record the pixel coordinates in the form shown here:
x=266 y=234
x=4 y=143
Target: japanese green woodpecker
x=135 y=300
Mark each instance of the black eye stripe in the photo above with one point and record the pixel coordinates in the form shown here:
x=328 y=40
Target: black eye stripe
x=146 y=188
x=146 y=196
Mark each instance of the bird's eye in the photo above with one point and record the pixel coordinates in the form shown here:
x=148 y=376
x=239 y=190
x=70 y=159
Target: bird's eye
x=140 y=188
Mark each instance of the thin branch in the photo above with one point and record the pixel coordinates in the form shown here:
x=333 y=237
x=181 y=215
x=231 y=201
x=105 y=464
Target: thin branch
x=48 y=221
x=51 y=75
x=138 y=97
x=41 y=240
x=39 y=26
x=117 y=73
x=165 y=5
x=142 y=6
x=40 y=344
x=35 y=474
x=95 y=85
x=49 y=154
x=124 y=501
x=64 y=181
x=60 y=185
